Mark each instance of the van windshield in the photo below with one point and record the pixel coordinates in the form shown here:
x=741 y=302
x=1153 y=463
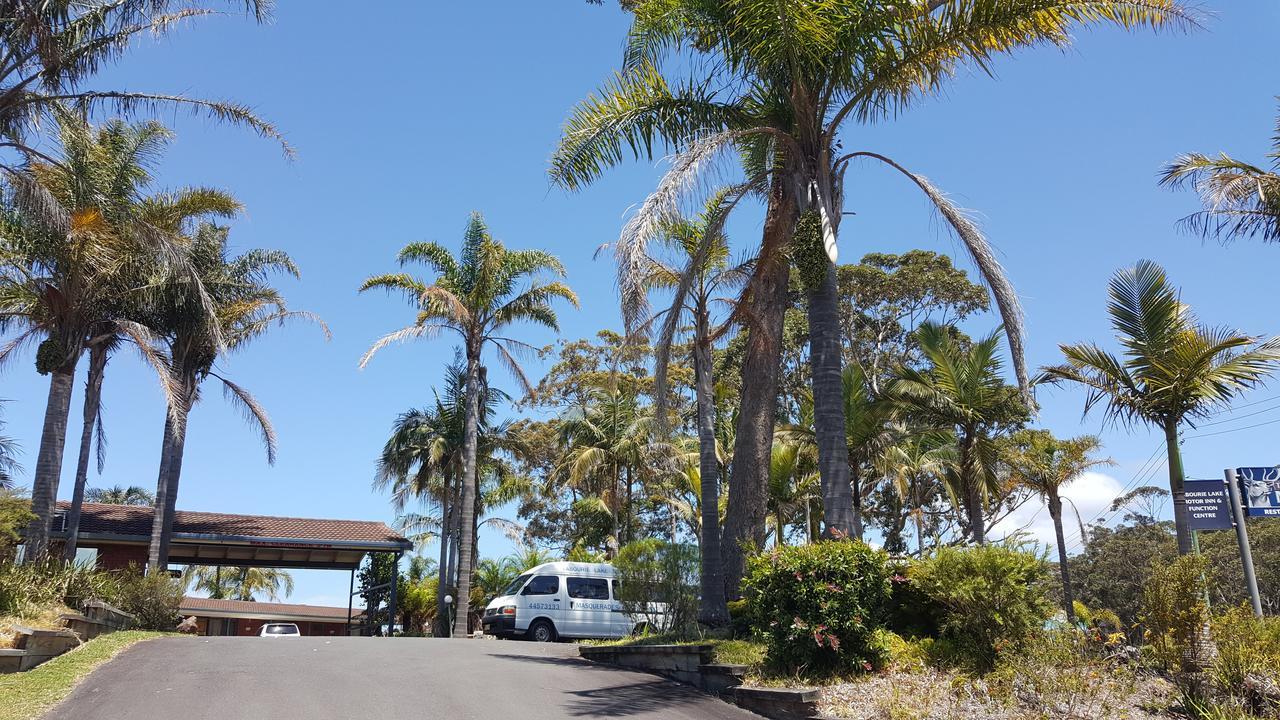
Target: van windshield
x=515 y=585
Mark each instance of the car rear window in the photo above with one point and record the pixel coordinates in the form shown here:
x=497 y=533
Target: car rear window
x=588 y=588
x=282 y=629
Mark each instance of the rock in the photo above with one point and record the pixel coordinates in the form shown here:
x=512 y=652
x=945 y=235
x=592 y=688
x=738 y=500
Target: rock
x=1261 y=694
x=188 y=626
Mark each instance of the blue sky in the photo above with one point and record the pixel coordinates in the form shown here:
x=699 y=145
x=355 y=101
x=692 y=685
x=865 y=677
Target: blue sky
x=425 y=112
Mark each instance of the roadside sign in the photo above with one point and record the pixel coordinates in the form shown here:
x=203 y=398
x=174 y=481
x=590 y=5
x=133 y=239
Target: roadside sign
x=1260 y=490
x=1207 y=505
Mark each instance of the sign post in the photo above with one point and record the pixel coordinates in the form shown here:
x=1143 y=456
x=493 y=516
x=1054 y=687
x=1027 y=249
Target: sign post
x=1242 y=536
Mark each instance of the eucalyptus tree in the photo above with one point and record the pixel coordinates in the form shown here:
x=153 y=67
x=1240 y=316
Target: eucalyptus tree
x=1240 y=199
x=1043 y=463
x=962 y=390
x=706 y=262
x=479 y=296
x=779 y=82
x=1173 y=370
x=242 y=306
x=79 y=232
x=120 y=495
x=239 y=583
x=52 y=49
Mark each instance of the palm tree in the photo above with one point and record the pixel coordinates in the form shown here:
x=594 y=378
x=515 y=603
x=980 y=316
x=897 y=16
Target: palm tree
x=50 y=49
x=779 y=82
x=239 y=583
x=793 y=485
x=868 y=430
x=422 y=461
x=1043 y=463
x=605 y=446
x=72 y=249
x=1173 y=371
x=1241 y=200
x=242 y=306
x=8 y=458
x=705 y=261
x=962 y=389
x=119 y=495
x=917 y=465
x=477 y=296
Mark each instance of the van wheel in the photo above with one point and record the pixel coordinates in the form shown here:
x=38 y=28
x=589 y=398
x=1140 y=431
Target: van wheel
x=542 y=631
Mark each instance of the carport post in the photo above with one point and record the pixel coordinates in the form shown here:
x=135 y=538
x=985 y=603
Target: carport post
x=350 y=597
x=391 y=606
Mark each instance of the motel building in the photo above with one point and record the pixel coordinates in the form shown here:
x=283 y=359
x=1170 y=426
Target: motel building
x=115 y=537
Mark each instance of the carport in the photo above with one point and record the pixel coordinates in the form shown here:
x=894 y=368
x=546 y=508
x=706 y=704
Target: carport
x=120 y=535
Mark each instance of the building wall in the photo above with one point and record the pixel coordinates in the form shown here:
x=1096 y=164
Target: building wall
x=120 y=557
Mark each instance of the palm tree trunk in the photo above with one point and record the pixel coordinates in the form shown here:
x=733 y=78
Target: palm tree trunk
x=162 y=492
x=53 y=440
x=466 y=543
x=92 y=402
x=762 y=310
x=1181 y=517
x=712 y=610
x=780 y=525
x=1055 y=512
x=969 y=476
x=442 y=570
x=828 y=408
x=162 y=527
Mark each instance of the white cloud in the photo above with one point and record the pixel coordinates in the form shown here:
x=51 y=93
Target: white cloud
x=1091 y=493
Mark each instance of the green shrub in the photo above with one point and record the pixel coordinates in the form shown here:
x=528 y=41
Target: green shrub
x=651 y=571
x=991 y=599
x=1247 y=646
x=819 y=605
x=1174 y=613
x=912 y=613
x=740 y=618
x=32 y=586
x=152 y=599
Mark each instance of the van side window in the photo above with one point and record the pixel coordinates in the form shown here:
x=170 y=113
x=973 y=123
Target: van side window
x=542 y=585
x=588 y=588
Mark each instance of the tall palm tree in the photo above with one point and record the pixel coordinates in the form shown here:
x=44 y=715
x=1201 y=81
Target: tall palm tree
x=779 y=82
x=422 y=462
x=962 y=389
x=242 y=306
x=71 y=251
x=1043 y=463
x=1173 y=369
x=51 y=50
x=239 y=583
x=1241 y=200
x=705 y=260
x=478 y=296
x=120 y=495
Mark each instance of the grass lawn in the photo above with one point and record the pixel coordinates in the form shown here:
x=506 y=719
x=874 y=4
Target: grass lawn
x=27 y=695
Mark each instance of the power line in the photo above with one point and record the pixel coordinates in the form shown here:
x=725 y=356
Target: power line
x=1241 y=417
x=1143 y=473
x=1224 y=432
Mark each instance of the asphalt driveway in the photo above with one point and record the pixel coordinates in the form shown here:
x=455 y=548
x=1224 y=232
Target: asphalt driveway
x=228 y=678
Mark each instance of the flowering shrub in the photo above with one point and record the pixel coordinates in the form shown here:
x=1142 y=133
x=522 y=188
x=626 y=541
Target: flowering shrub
x=819 y=605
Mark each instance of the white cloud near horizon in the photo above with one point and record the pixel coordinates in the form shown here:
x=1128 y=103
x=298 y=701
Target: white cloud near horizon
x=1090 y=492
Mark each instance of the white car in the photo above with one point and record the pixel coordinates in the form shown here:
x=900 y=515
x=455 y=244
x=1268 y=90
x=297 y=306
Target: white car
x=279 y=630
x=561 y=600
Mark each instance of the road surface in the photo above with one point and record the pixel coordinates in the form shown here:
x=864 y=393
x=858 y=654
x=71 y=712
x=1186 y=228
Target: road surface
x=250 y=678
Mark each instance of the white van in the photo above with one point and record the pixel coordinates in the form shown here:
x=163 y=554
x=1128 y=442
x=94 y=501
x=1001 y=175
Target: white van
x=560 y=600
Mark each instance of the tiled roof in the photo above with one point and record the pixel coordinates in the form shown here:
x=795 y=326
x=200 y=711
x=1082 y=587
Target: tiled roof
x=136 y=520
x=195 y=605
